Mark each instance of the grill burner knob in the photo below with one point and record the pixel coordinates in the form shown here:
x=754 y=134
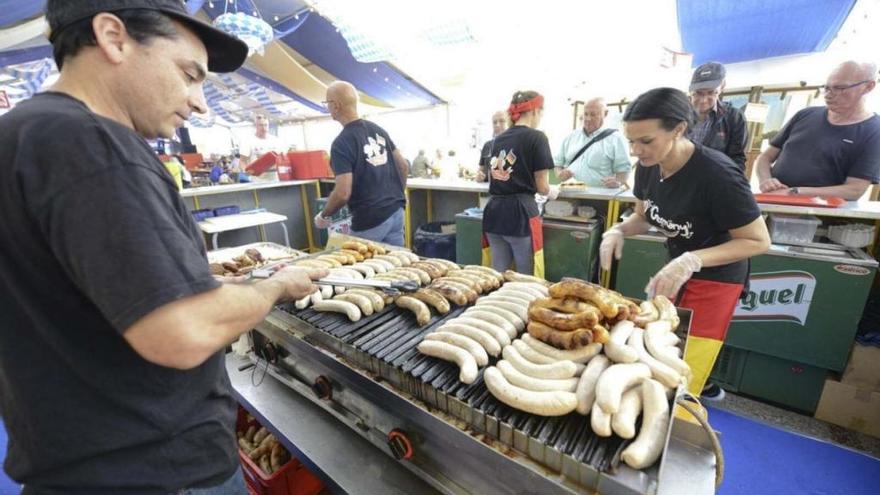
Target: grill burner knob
x=323 y=388
x=400 y=446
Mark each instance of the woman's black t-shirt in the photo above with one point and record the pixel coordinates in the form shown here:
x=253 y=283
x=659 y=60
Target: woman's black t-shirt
x=697 y=207
x=517 y=154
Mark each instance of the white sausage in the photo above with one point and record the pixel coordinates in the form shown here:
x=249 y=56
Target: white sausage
x=521 y=289
x=538 y=287
x=536 y=357
x=466 y=343
x=485 y=339
x=303 y=303
x=600 y=421
x=617 y=378
x=365 y=270
x=647 y=314
x=423 y=276
x=616 y=348
x=493 y=318
x=541 y=403
x=520 y=310
x=316 y=297
x=581 y=355
x=512 y=318
x=666 y=355
x=661 y=372
x=347 y=272
x=375 y=266
x=405 y=254
x=507 y=296
x=404 y=260
x=586 y=389
x=326 y=291
x=669 y=339
x=349 y=309
x=407 y=274
x=648 y=446
x=515 y=377
x=559 y=369
x=624 y=421
x=387 y=264
x=375 y=299
x=494 y=330
x=362 y=302
x=488 y=271
x=394 y=260
x=466 y=363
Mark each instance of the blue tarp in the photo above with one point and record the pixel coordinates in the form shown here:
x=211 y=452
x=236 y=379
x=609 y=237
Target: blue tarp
x=727 y=31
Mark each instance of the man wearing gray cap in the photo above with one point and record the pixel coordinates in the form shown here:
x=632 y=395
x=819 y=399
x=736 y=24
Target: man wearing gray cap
x=719 y=125
x=112 y=375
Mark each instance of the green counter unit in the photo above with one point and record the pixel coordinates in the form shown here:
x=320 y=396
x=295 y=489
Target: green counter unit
x=781 y=381
x=570 y=249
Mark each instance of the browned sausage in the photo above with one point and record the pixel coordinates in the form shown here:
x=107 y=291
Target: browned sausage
x=564 y=321
x=561 y=339
x=434 y=298
x=584 y=291
x=568 y=305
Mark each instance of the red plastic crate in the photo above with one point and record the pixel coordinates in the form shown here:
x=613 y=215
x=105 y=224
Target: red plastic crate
x=292 y=479
x=262 y=164
x=309 y=165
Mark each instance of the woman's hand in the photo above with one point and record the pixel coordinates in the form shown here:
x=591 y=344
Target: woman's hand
x=668 y=281
x=612 y=244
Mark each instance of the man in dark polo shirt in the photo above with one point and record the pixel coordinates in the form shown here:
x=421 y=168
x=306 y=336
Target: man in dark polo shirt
x=112 y=376
x=370 y=172
x=832 y=150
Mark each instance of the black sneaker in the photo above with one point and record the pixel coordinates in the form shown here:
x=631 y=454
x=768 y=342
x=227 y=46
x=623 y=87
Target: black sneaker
x=712 y=392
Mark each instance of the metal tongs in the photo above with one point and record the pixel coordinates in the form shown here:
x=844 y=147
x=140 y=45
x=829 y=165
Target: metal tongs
x=390 y=287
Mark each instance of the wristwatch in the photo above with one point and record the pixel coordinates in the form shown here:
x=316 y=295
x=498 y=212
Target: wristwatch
x=793 y=190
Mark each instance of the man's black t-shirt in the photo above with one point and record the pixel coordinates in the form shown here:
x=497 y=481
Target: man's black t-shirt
x=517 y=154
x=364 y=150
x=816 y=153
x=95 y=236
x=697 y=207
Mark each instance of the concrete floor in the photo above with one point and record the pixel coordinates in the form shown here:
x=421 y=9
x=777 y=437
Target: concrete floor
x=798 y=423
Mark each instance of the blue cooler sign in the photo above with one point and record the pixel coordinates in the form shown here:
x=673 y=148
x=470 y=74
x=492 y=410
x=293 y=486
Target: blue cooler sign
x=777 y=296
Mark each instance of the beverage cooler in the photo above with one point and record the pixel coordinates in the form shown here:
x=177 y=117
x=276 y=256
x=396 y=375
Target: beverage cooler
x=571 y=249
x=797 y=322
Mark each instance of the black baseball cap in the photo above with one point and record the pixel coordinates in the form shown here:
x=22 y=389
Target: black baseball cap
x=226 y=53
x=708 y=76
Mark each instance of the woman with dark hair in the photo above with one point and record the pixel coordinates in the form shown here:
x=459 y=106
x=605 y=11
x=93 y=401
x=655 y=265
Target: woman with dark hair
x=698 y=198
x=518 y=168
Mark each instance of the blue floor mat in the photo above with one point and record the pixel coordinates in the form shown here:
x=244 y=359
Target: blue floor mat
x=7 y=486
x=761 y=459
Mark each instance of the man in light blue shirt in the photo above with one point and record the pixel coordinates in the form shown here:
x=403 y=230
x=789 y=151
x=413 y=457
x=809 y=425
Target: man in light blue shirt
x=605 y=163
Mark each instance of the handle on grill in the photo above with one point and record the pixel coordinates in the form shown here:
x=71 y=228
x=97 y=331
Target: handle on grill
x=690 y=405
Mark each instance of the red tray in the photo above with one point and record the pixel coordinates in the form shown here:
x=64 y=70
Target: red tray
x=800 y=200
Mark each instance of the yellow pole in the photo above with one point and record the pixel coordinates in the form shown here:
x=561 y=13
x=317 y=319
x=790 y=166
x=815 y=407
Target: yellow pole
x=430 y=206
x=257 y=205
x=610 y=220
x=196 y=202
x=307 y=217
x=406 y=220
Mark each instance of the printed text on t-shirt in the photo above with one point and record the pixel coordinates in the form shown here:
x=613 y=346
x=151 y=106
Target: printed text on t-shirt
x=669 y=228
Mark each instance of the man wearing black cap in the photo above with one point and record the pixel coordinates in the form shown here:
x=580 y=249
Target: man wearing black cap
x=111 y=375
x=719 y=125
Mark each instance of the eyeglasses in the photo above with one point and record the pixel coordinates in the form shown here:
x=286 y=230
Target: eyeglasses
x=840 y=89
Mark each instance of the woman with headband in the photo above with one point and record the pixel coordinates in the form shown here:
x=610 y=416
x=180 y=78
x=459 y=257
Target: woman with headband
x=700 y=200
x=519 y=168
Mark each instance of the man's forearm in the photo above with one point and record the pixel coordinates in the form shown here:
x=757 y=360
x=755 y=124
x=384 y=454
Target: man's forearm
x=849 y=192
x=186 y=332
x=622 y=177
x=334 y=203
x=762 y=168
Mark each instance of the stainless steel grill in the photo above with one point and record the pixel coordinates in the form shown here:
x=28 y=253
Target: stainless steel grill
x=548 y=455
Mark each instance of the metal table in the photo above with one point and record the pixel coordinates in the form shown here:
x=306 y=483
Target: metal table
x=345 y=461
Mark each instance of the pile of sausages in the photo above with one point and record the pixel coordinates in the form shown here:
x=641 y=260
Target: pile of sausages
x=587 y=349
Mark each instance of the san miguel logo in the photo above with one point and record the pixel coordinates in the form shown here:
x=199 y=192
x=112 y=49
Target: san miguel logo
x=777 y=296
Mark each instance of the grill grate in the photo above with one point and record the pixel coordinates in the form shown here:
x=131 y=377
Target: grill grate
x=391 y=337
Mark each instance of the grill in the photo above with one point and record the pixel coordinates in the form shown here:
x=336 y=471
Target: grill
x=382 y=348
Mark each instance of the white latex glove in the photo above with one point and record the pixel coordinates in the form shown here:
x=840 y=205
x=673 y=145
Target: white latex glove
x=321 y=222
x=554 y=193
x=612 y=244
x=668 y=281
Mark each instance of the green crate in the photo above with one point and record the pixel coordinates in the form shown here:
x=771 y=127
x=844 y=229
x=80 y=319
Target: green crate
x=643 y=256
x=781 y=381
x=729 y=367
x=468 y=240
x=570 y=250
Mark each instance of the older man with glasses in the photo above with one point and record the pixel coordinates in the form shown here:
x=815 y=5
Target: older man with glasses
x=830 y=151
x=719 y=125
